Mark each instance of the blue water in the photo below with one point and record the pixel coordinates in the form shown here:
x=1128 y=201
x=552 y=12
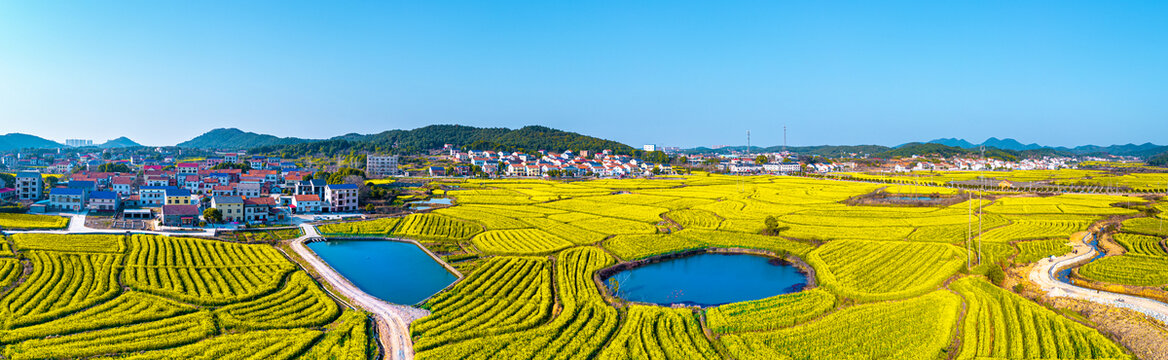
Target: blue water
x=707 y=280
x=396 y=272
x=1064 y=275
x=440 y=201
x=910 y=198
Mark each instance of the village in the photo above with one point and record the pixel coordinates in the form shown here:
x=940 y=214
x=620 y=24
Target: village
x=151 y=187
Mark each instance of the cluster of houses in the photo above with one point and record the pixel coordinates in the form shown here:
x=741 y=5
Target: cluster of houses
x=979 y=164
x=544 y=163
x=178 y=195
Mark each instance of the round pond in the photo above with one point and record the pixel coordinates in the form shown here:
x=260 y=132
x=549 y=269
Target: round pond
x=397 y=272
x=707 y=279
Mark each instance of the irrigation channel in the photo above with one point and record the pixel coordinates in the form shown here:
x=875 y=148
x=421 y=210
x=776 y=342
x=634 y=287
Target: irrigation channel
x=706 y=279
x=1052 y=275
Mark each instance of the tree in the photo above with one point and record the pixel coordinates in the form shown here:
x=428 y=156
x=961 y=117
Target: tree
x=711 y=161
x=761 y=159
x=227 y=165
x=773 y=226
x=369 y=208
x=7 y=180
x=341 y=174
x=659 y=157
x=996 y=274
x=113 y=167
x=51 y=181
x=213 y=215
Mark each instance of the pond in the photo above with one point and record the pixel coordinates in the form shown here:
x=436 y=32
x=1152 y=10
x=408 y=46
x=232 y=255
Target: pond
x=439 y=201
x=911 y=198
x=707 y=279
x=397 y=272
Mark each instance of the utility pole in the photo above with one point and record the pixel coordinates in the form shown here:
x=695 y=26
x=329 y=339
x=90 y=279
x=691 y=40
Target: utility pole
x=980 y=194
x=784 y=140
x=748 y=143
x=969 y=234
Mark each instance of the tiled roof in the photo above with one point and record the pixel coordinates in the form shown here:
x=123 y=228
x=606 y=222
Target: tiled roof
x=66 y=191
x=227 y=199
x=307 y=198
x=180 y=210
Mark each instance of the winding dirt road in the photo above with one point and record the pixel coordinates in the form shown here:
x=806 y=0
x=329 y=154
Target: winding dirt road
x=1044 y=272
x=393 y=321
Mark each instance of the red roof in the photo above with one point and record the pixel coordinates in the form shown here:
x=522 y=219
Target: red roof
x=307 y=198
x=260 y=201
x=180 y=210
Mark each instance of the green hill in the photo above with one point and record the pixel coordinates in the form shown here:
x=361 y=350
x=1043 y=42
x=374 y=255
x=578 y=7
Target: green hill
x=529 y=138
x=235 y=139
x=16 y=141
x=120 y=142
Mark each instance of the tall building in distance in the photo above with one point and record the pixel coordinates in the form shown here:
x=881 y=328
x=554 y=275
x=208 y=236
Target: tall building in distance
x=381 y=165
x=649 y=147
x=78 y=142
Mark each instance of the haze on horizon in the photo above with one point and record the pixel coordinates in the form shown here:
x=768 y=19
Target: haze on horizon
x=1057 y=73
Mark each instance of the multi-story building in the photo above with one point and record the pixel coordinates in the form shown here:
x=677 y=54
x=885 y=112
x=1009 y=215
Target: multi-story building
x=341 y=197
x=66 y=199
x=180 y=215
x=103 y=201
x=304 y=204
x=230 y=206
x=187 y=168
x=248 y=189
x=381 y=165
x=176 y=196
x=153 y=195
x=78 y=142
x=257 y=209
x=123 y=185
x=29 y=186
x=311 y=187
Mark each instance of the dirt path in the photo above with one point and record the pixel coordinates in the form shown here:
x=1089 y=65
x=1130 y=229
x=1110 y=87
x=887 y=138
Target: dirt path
x=393 y=321
x=1044 y=272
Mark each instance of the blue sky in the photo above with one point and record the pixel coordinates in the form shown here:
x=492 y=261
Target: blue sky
x=665 y=72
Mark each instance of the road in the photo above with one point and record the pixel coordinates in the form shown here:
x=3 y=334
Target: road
x=1044 y=272
x=393 y=321
x=77 y=226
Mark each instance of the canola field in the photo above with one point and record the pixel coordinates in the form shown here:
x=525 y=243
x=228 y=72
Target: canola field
x=889 y=282
x=159 y=297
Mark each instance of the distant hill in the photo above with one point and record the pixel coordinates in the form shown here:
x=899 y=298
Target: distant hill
x=120 y=142
x=1144 y=150
x=236 y=139
x=16 y=141
x=529 y=138
x=933 y=149
x=821 y=150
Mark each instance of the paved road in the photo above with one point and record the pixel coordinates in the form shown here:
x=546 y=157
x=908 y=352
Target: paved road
x=393 y=321
x=77 y=226
x=1044 y=272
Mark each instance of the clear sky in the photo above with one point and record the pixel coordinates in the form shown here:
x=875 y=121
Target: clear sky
x=666 y=72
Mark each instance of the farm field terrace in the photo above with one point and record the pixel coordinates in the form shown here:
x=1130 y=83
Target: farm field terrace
x=533 y=250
